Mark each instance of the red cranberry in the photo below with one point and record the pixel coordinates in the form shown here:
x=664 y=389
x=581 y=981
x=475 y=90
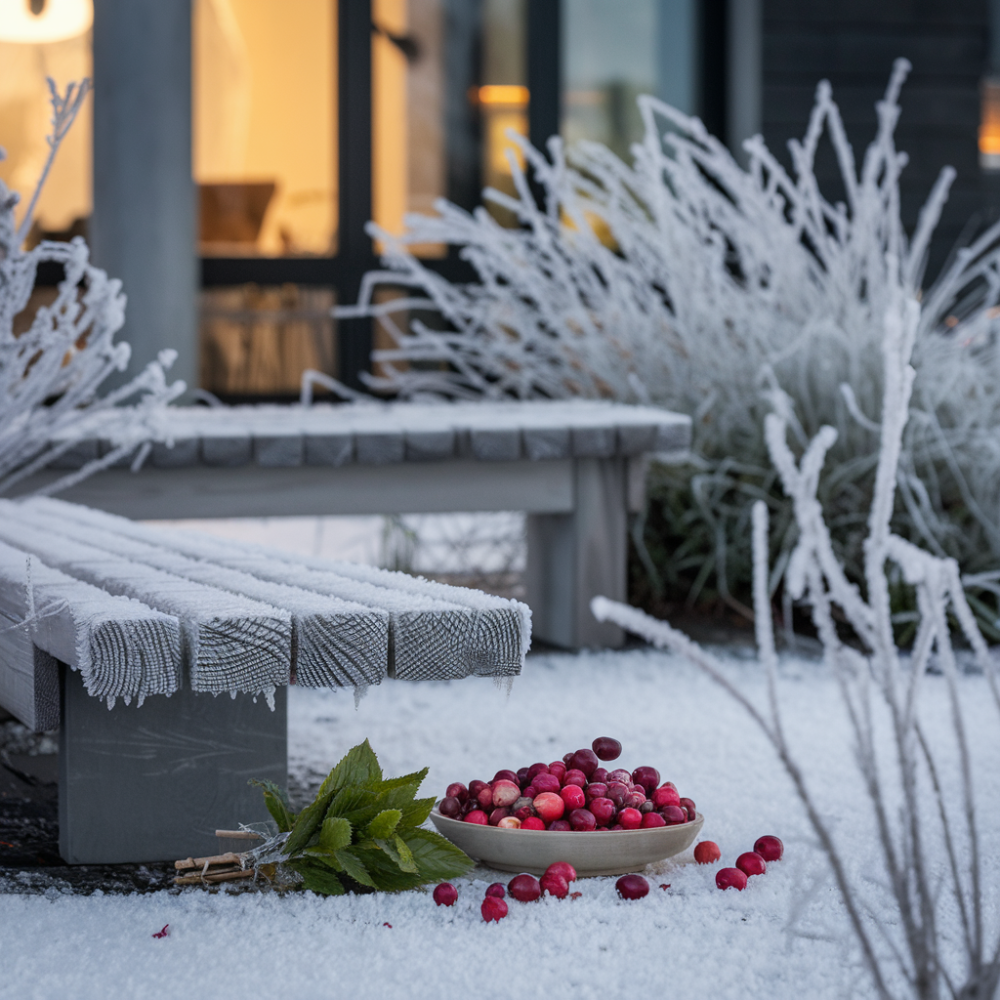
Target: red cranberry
x=689 y=805
x=632 y=887
x=603 y=809
x=558 y=768
x=504 y=775
x=493 y=909
x=648 y=777
x=477 y=816
x=450 y=807
x=617 y=792
x=617 y=826
x=582 y=820
x=530 y=792
x=505 y=793
x=707 y=852
x=769 y=848
x=525 y=812
x=559 y=826
x=575 y=777
x=586 y=761
x=445 y=894
x=674 y=815
x=456 y=790
x=485 y=797
x=596 y=790
x=554 y=884
x=563 y=868
x=549 y=806
x=546 y=783
x=664 y=796
x=501 y=812
x=630 y=819
x=475 y=787
x=751 y=863
x=532 y=823
x=567 y=757
x=652 y=819
x=606 y=748
x=621 y=776
x=496 y=889
x=537 y=769
x=573 y=796
x=522 y=776
x=469 y=806
x=601 y=775
x=635 y=799
x=730 y=878
x=524 y=888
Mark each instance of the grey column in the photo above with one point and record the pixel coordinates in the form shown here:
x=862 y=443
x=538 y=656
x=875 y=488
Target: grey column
x=745 y=81
x=677 y=63
x=155 y=783
x=143 y=225
x=575 y=557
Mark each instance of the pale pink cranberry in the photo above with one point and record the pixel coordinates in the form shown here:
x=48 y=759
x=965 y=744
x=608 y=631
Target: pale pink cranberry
x=632 y=887
x=769 y=848
x=445 y=894
x=546 y=783
x=674 y=815
x=554 y=884
x=524 y=888
x=582 y=820
x=574 y=777
x=649 y=820
x=485 y=797
x=505 y=793
x=509 y=823
x=606 y=748
x=573 y=796
x=730 y=878
x=648 y=777
x=664 y=796
x=493 y=908
x=707 y=852
x=549 y=806
x=450 y=807
x=563 y=868
x=497 y=890
x=630 y=819
x=532 y=823
x=477 y=816
x=751 y=863
x=586 y=761
x=456 y=790
x=604 y=810
x=559 y=826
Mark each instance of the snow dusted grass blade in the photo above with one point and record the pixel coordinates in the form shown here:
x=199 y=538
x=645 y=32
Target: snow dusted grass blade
x=911 y=832
x=671 y=278
x=50 y=373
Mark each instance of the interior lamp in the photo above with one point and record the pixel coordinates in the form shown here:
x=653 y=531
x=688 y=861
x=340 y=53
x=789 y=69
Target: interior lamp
x=38 y=21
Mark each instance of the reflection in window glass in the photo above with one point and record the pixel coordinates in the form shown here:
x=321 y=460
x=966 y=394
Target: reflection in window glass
x=609 y=57
x=65 y=204
x=257 y=341
x=265 y=126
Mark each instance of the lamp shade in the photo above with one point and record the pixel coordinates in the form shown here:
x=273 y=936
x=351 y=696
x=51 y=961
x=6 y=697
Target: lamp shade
x=38 y=21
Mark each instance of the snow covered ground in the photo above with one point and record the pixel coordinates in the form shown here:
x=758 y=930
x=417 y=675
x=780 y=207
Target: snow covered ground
x=784 y=937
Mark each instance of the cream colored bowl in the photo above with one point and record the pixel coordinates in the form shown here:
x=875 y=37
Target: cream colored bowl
x=612 y=853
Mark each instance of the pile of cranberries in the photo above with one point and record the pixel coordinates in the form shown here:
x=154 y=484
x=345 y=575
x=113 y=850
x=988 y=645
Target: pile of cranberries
x=747 y=864
x=575 y=793
x=524 y=888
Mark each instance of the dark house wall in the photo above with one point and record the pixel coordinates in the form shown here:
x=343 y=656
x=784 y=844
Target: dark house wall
x=853 y=43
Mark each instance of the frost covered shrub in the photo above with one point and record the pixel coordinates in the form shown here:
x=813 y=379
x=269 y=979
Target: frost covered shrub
x=941 y=937
x=50 y=372
x=685 y=280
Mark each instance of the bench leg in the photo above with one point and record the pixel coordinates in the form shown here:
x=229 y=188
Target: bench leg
x=574 y=557
x=155 y=783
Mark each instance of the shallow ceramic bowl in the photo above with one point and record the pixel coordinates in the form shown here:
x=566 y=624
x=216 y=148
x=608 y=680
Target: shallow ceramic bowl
x=613 y=853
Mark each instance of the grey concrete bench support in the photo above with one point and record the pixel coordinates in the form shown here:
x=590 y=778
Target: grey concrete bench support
x=136 y=786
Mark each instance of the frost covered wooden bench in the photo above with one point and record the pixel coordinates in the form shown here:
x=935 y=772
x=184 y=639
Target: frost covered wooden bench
x=164 y=658
x=577 y=468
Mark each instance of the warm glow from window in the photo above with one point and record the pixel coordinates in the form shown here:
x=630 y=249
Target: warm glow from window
x=497 y=93
x=35 y=22
x=989 y=125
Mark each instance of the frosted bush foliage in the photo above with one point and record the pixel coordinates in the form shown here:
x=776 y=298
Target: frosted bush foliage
x=686 y=280
x=51 y=371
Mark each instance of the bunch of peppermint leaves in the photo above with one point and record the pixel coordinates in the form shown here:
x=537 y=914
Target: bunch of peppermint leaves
x=363 y=832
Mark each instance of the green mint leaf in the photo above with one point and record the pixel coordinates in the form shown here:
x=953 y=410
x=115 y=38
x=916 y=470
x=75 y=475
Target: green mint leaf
x=334 y=834
x=277 y=804
x=416 y=812
x=384 y=823
x=307 y=823
x=416 y=778
x=354 y=868
x=406 y=860
x=437 y=859
x=359 y=767
x=318 y=877
x=386 y=873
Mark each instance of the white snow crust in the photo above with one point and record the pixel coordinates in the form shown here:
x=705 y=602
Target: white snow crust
x=784 y=938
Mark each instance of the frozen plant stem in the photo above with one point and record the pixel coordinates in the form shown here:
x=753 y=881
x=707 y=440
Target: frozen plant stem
x=906 y=833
